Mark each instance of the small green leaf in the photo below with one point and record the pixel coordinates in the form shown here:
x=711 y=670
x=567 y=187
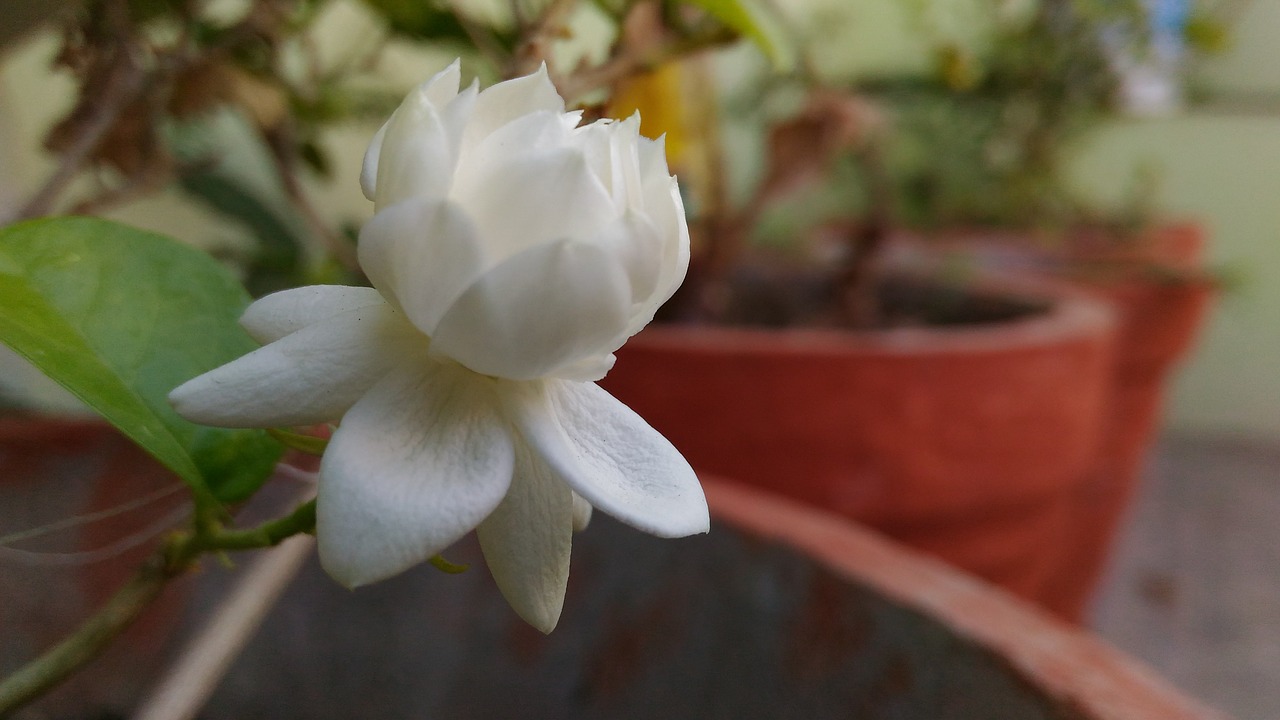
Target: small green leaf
x=420 y=20
x=438 y=562
x=120 y=317
x=753 y=21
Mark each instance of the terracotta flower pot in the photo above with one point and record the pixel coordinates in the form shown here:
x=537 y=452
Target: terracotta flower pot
x=1159 y=316
x=782 y=611
x=51 y=470
x=967 y=442
x=1156 y=286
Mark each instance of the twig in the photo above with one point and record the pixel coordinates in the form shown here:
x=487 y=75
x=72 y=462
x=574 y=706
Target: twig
x=95 y=634
x=279 y=143
x=124 y=86
x=87 y=518
x=634 y=61
x=107 y=552
x=268 y=534
x=188 y=685
x=549 y=26
x=170 y=560
x=481 y=37
x=128 y=190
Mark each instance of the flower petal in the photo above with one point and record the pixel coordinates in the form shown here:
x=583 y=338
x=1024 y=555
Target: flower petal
x=524 y=186
x=609 y=455
x=417 y=463
x=422 y=253
x=588 y=369
x=369 y=170
x=288 y=311
x=310 y=376
x=666 y=212
x=527 y=538
x=524 y=319
x=419 y=151
x=500 y=104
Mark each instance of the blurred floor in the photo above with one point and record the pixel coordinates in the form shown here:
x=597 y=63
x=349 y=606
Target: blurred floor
x=1194 y=587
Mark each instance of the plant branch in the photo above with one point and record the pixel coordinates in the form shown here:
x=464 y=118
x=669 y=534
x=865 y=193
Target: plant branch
x=549 y=27
x=268 y=534
x=633 y=61
x=188 y=685
x=279 y=143
x=87 y=642
x=170 y=560
x=125 y=84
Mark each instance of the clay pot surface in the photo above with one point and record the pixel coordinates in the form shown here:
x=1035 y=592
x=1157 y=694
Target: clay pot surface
x=781 y=611
x=964 y=442
x=1159 y=320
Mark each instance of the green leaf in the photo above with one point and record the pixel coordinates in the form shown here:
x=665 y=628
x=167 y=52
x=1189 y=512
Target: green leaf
x=753 y=21
x=119 y=317
x=420 y=20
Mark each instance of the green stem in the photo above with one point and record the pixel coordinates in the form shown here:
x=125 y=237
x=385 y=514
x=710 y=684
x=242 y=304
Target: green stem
x=268 y=534
x=171 y=559
x=92 y=637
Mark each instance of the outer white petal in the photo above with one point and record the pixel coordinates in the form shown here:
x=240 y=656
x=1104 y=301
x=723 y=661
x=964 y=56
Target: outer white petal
x=526 y=541
x=419 y=150
x=666 y=212
x=586 y=370
x=506 y=101
x=420 y=461
x=609 y=455
x=422 y=253
x=311 y=376
x=548 y=307
x=288 y=311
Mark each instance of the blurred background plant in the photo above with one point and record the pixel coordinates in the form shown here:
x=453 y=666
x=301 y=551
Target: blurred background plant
x=230 y=101
x=976 y=138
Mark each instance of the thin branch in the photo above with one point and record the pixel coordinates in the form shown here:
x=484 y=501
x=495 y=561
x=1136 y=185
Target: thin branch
x=188 y=685
x=635 y=61
x=268 y=534
x=87 y=642
x=107 y=552
x=126 y=83
x=482 y=38
x=170 y=560
x=87 y=518
x=549 y=27
x=279 y=143
x=126 y=191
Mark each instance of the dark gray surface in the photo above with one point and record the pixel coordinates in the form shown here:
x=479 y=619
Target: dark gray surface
x=1194 y=586
x=716 y=626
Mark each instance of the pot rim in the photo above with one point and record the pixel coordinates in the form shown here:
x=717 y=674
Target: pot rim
x=1077 y=668
x=1073 y=315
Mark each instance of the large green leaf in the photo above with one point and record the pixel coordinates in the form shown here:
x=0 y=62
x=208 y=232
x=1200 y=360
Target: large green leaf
x=753 y=21
x=120 y=317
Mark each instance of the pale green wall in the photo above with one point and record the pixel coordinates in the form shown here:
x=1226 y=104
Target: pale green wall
x=1220 y=163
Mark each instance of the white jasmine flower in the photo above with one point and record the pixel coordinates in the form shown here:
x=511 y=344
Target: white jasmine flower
x=512 y=252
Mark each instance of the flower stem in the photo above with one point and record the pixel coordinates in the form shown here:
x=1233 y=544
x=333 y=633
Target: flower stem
x=268 y=534
x=171 y=559
x=92 y=637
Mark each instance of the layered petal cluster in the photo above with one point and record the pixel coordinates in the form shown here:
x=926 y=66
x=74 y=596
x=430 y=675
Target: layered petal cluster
x=526 y=246
x=512 y=251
